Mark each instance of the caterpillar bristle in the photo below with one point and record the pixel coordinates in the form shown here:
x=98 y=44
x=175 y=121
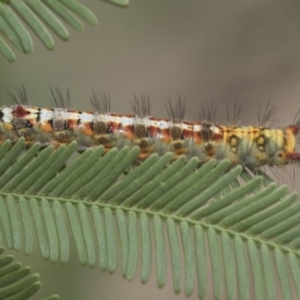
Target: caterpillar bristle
x=265 y=117
x=234 y=119
x=18 y=96
x=208 y=111
x=141 y=107
x=100 y=101
x=58 y=99
x=176 y=112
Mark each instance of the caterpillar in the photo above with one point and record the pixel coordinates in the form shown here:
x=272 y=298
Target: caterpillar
x=251 y=146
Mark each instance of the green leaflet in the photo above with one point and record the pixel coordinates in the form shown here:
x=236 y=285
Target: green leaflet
x=249 y=230
x=40 y=15
x=133 y=245
x=175 y=255
x=16 y=281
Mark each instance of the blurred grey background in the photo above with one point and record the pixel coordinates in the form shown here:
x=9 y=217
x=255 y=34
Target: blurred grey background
x=218 y=51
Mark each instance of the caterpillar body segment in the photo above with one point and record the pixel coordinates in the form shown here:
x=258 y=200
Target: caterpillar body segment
x=251 y=146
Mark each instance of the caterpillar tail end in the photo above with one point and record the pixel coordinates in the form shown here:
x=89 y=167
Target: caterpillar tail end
x=293 y=156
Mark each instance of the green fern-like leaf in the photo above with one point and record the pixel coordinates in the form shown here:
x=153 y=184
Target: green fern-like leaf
x=15 y=281
x=40 y=14
x=49 y=200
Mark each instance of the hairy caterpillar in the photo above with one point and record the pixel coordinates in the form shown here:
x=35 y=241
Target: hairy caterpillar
x=251 y=146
